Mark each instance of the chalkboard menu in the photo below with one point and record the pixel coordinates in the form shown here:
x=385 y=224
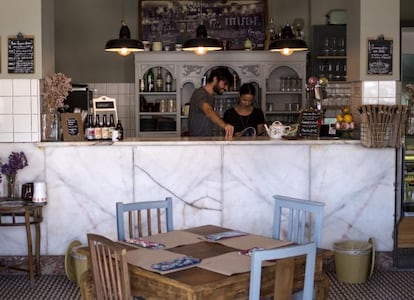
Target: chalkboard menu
x=21 y=54
x=380 y=57
x=309 y=123
x=72 y=127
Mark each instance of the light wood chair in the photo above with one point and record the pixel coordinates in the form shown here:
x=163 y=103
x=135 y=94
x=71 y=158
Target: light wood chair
x=284 y=252
x=139 y=224
x=303 y=222
x=109 y=268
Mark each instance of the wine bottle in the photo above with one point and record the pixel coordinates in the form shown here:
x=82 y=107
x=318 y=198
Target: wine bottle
x=105 y=128
x=111 y=125
x=89 y=130
x=168 y=82
x=159 y=81
x=98 y=128
x=120 y=130
x=150 y=81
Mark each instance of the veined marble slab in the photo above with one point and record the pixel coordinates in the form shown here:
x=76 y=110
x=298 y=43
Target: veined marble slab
x=230 y=184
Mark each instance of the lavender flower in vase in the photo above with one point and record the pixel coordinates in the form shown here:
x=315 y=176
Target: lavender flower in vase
x=16 y=162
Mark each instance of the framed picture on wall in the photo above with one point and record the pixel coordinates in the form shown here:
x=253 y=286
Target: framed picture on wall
x=232 y=22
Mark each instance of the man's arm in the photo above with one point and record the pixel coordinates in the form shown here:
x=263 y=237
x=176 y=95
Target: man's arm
x=215 y=118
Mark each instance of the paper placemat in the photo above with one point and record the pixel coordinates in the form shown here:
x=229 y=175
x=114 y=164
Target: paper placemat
x=228 y=263
x=251 y=241
x=145 y=258
x=172 y=239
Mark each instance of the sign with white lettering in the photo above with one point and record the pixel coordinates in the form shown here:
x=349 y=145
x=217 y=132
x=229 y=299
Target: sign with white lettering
x=20 y=54
x=309 y=123
x=72 y=127
x=380 y=57
x=174 y=22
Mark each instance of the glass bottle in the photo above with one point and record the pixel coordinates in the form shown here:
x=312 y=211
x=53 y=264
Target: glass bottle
x=150 y=81
x=90 y=130
x=168 y=82
x=98 y=128
x=111 y=125
x=105 y=128
x=120 y=130
x=159 y=81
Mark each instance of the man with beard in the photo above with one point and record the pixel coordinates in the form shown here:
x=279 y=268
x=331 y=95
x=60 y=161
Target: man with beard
x=202 y=117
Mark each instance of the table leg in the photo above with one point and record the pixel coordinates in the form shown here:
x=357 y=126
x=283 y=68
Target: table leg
x=29 y=246
x=37 y=250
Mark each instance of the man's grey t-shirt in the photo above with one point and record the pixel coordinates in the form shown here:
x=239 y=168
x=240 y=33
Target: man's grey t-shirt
x=198 y=123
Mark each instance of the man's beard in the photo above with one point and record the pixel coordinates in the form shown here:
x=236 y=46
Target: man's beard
x=218 y=90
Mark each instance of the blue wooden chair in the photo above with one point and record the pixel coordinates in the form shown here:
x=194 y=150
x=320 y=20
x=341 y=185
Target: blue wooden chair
x=142 y=224
x=259 y=256
x=303 y=221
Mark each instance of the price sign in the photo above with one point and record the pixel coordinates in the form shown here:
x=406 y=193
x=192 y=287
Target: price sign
x=72 y=127
x=309 y=123
x=20 y=54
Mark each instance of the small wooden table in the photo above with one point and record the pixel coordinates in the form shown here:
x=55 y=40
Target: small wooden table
x=197 y=283
x=17 y=212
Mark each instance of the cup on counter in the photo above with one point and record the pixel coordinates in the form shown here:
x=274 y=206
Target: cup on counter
x=186 y=109
x=27 y=191
x=147 y=45
x=39 y=192
x=178 y=47
x=115 y=135
x=157 y=46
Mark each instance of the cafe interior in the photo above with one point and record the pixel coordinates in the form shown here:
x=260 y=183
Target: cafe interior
x=324 y=211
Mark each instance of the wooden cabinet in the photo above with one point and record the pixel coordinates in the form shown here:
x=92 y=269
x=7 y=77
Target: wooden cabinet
x=266 y=70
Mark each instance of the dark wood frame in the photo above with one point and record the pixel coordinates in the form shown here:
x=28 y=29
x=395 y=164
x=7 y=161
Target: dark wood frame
x=181 y=18
x=25 y=69
x=79 y=136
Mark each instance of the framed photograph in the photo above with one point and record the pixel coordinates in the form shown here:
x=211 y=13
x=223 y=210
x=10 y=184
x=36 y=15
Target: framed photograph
x=232 y=22
x=72 y=127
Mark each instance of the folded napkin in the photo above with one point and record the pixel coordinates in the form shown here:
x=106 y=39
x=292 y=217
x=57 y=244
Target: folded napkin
x=249 y=252
x=145 y=243
x=224 y=235
x=177 y=263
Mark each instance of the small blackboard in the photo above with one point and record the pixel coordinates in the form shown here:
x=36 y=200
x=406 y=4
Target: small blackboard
x=72 y=127
x=20 y=54
x=380 y=56
x=309 y=123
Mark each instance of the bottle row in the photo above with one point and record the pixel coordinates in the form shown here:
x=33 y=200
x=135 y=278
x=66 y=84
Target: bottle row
x=161 y=82
x=102 y=129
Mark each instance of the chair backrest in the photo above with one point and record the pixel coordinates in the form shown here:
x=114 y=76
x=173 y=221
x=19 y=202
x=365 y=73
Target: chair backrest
x=284 y=252
x=144 y=224
x=303 y=220
x=109 y=268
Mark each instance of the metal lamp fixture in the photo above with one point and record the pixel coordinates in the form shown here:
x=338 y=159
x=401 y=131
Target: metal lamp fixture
x=202 y=43
x=124 y=45
x=288 y=43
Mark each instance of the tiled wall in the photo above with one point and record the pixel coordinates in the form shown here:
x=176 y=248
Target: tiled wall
x=19 y=110
x=20 y=107
x=125 y=100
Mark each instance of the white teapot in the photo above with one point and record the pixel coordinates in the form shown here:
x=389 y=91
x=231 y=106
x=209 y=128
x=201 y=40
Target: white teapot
x=277 y=130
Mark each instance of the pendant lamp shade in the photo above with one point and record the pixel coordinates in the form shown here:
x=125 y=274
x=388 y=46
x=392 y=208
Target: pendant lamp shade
x=202 y=43
x=124 y=45
x=288 y=43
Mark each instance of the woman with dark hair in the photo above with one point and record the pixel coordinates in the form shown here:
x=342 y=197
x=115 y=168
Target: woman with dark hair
x=244 y=114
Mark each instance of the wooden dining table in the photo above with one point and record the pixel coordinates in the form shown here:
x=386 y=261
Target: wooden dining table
x=200 y=283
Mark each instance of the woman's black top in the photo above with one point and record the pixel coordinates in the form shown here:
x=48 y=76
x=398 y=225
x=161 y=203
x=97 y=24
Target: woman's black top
x=242 y=122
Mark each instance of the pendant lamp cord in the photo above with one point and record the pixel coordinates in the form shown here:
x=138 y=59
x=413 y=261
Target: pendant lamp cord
x=201 y=12
x=123 y=11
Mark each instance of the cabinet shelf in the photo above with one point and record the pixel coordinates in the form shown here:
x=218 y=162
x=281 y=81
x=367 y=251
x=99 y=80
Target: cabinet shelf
x=157 y=93
x=156 y=113
x=283 y=93
x=332 y=57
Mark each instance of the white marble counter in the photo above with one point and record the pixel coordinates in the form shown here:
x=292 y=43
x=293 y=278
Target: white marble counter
x=212 y=182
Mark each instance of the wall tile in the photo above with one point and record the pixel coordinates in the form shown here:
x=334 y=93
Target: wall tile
x=370 y=89
x=387 y=88
x=22 y=105
x=6 y=87
x=6 y=123
x=21 y=87
x=22 y=123
x=100 y=89
x=34 y=86
x=6 y=105
x=35 y=103
x=22 y=137
x=35 y=123
x=6 y=137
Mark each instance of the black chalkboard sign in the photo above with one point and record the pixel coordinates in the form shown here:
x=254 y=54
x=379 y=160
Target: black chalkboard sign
x=20 y=54
x=309 y=123
x=72 y=127
x=380 y=57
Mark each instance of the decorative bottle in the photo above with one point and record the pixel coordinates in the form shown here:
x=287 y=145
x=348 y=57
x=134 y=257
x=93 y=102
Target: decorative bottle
x=111 y=125
x=105 y=128
x=150 y=81
x=168 y=82
x=120 y=130
x=98 y=128
x=159 y=81
x=90 y=130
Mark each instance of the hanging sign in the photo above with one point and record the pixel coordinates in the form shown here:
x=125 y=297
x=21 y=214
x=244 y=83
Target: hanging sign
x=380 y=53
x=20 y=54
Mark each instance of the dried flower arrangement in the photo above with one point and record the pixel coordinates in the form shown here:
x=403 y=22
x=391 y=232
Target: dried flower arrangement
x=56 y=89
x=16 y=162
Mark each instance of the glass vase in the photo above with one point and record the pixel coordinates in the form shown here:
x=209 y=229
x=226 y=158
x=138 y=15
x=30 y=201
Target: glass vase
x=50 y=126
x=11 y=186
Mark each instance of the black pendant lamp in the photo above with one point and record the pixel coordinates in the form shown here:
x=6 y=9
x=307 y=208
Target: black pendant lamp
x=124 y=45
x=288 y=43
x=202 y=43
